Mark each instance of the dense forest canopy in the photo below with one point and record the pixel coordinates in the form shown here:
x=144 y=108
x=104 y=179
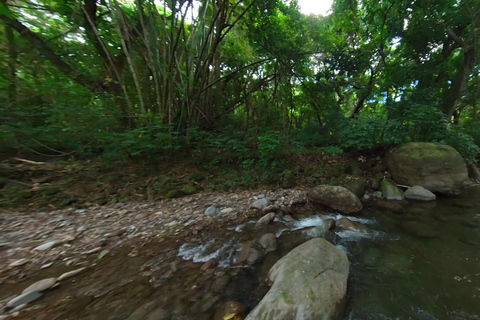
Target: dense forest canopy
x=150 y=78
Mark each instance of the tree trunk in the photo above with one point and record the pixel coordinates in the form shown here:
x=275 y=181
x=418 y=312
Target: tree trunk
x=12 y=65
x=453 y=95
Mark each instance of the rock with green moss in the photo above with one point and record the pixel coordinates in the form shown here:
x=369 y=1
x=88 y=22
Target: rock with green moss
x=390 y=191
x=310 y=282
x=189 y=189
x=436 y=167
x=288 y=180
x=175 y=193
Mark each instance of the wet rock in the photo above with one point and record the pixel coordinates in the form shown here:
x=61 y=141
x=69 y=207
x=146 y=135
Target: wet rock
x=70 y=274
x=46 y=246
x=436 y=167
x=260 y=204
x=347 y=224
x=473 y=172
x=219 y=283
x=232 y=310
x=41 y=285
x=210 y=211
x=419 y=229
x=46 y=265
x=19 y=262
x=390 y=191
x=419 y=193
x=251 y=253
x=268 y=242
x=212 y=263
x=24 y=298
x=288 y=218
x=310 y=281
x=335 y=197
x=266 y=219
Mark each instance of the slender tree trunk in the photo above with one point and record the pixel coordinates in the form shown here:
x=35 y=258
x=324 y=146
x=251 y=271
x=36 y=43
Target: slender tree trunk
x=454 y=94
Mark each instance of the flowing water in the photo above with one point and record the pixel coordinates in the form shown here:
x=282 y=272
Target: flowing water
x=417 y=261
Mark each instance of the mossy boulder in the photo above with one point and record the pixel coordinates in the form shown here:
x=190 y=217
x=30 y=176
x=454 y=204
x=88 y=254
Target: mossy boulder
x=288 y=180
x=335 y=197
x=390 y=191
x=175 y=193
x=355 y=184
x=436 y=167
x=189 y=189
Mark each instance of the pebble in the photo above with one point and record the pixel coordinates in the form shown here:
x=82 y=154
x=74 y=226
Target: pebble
x=47 y=265
x=70 y=274
x=46 y=246
x=210 y=211
x=226 y=210
x=260 y=204
x=41 y=285
x=19 y=262
x=23 y=299
x=81 y=229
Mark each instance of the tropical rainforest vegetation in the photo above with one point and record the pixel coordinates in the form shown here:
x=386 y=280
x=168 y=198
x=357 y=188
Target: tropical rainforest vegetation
x=248 y=80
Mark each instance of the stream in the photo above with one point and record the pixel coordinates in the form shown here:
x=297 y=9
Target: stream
x=416 y=261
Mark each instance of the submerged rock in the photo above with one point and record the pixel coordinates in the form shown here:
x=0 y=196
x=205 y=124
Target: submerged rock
x=19 y=262
x=335 y=197
x=24 y=298
x=268 y=242
x=251 y=253
x=309 y=283
x=345 y=224
x=390 y=191
x=231 y=310
x=419 y=193
x=436 y=167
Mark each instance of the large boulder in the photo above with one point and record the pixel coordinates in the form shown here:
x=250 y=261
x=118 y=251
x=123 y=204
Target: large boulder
x=335 y=197
x=436 y=167
x=309 y=283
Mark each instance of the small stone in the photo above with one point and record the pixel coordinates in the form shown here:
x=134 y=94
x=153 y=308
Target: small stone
x=266 y=219
x=23 y=299
x=288 y=218
x=81 y=229
x=212 y=263
x=210 y=211
x=80 y=211
x=419 y=193
x=47 y=265
x=41 y=285
x=226 y=210
x=260 y=204
x=347 y=224
x=261 y=196
x=19 y=262
x=46 y=246
x=377 y=195
x=70 y=274
x=231 y=309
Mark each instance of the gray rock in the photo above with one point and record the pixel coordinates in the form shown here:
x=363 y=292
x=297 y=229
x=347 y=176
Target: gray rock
x=309 y=283
x=288 y=218
x=260 y=204
x=268 y=242
x=23 y=299
x=70 y=274
x=347 y=224
x=390 y=191
x=419 y=193
x=210 y=211
x=19 y=262
x=41 y=285
x=335 y=197
x=266 y=219
x=46 y=246
x=261 y=196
